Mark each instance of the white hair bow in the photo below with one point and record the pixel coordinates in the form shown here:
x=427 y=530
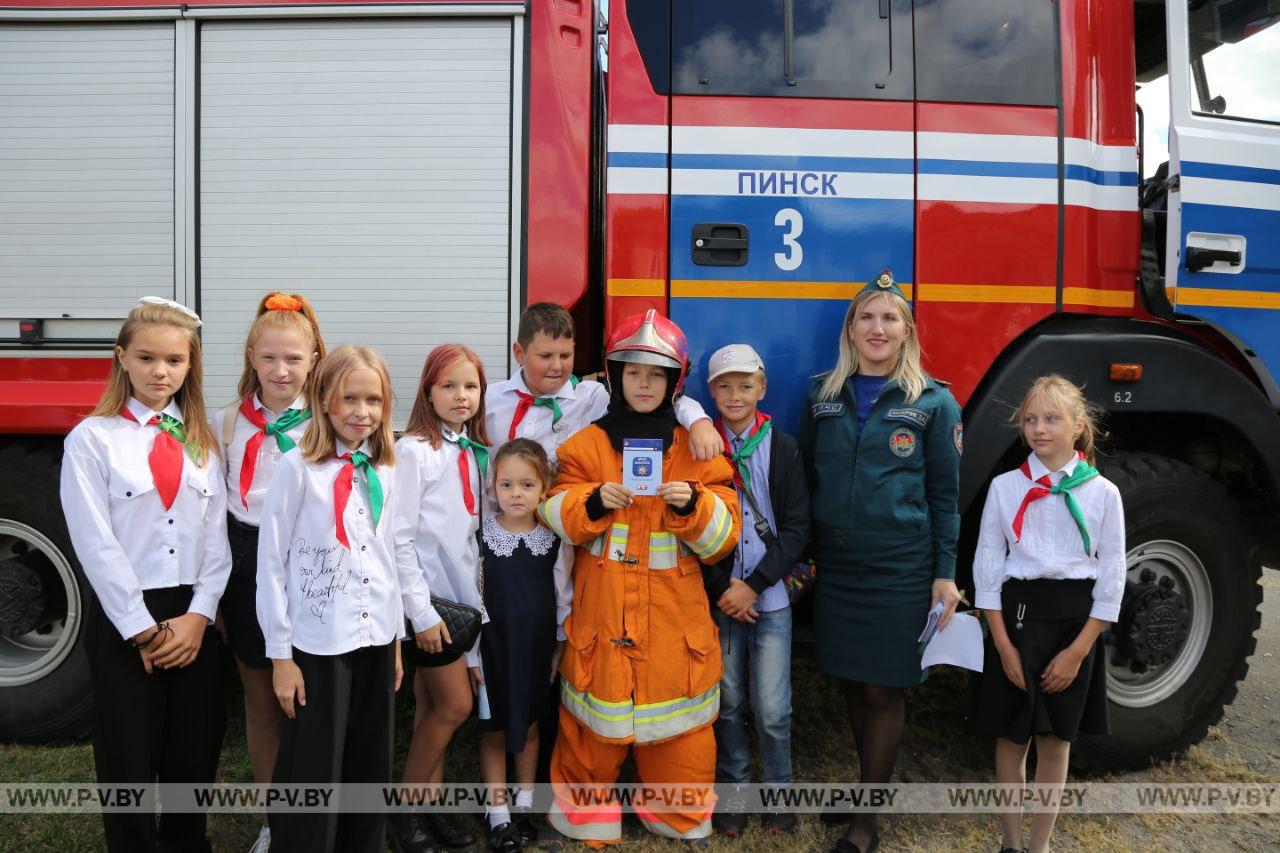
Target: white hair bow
x=160 y=300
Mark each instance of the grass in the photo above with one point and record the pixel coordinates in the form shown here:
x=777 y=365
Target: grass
x=938 y=745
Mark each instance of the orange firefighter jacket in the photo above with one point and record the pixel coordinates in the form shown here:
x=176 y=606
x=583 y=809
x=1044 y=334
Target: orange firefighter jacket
x=643 y=662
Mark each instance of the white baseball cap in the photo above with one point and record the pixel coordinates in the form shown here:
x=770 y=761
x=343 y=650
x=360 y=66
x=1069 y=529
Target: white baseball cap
x=735 y=358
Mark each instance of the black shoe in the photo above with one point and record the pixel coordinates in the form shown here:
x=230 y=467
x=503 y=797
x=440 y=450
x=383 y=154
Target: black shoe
x=505 y=838
x=1013 y=850
x=448 y=829
x=408 y=835
x=527 y=824
x=844 y=845
x=729 y=821
x=781 y=823
x=836 y=818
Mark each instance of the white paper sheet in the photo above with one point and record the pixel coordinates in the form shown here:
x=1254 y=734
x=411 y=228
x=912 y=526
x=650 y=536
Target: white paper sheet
x=959 y=644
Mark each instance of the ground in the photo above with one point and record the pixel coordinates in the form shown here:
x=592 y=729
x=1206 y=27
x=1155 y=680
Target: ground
x=938 y=745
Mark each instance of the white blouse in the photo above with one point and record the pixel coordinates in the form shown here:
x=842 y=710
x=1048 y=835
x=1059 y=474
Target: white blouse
x=269 y=454
x=435 y=535
x=313 y=593
x=124 y=537
x=579 y=408
x=1051 y=545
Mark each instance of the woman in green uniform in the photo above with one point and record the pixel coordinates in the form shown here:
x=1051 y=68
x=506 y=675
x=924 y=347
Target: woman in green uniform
x=881 y=440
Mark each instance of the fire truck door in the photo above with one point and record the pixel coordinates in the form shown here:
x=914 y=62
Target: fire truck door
x=791 y=176
x=1223 y=246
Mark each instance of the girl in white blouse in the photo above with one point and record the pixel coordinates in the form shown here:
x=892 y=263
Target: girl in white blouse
x=146 y=511
x=1049 y=571
x=329 y=598
x=268 y=418
x=443 y=463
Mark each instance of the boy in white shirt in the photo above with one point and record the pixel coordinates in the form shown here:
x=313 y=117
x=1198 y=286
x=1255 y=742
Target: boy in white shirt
x=543 y=401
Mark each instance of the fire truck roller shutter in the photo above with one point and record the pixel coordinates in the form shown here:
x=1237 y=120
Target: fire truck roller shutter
x=86 y=227
x=1194 y=448
x=87 y=167
x=366 y=164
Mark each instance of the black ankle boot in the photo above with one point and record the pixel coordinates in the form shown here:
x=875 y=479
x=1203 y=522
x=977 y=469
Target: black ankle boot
x=408 y=835
x=449 y=829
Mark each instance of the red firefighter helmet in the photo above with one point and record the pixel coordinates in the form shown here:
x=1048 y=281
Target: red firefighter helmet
x=650 y=338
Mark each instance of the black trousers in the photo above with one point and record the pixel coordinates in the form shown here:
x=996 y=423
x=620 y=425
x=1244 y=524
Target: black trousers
x=343 y=734
x=165 y=727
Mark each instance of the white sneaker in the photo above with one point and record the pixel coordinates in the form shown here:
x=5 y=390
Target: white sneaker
x=263 y=844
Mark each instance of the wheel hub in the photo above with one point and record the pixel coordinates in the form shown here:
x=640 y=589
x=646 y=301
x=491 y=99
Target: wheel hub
x=1155 y=623
x=23 y=602
x=1164 y=624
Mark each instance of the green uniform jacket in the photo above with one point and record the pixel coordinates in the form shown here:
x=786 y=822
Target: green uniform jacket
x=889 y=497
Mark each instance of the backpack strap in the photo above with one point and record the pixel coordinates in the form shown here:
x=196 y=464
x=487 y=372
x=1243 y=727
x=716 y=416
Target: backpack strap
x=229 y=415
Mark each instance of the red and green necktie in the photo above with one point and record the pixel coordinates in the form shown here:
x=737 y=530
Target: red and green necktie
x=1044 y=487
x=759 y=431
x=279 y=429
x=528 y=401
x=165 y=458
x=464 y=467
x=342 y=490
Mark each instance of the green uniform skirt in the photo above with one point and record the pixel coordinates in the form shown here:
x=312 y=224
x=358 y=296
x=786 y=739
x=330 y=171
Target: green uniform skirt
x=870 y=605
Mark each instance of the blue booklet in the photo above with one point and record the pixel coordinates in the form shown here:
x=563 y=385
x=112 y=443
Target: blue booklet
x=642 y=465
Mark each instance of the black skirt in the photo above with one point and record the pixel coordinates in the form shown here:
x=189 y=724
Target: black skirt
x=1050 y=614
x=239 y=603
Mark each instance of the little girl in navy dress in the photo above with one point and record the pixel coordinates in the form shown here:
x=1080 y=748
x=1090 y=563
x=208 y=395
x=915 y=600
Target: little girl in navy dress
x=527 y=593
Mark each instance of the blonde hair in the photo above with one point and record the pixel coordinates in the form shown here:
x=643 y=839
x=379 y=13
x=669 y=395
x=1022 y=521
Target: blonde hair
x=1065 y=396
x=287 y=311
x=320 y=441
x=908 y=373
x=190 y=397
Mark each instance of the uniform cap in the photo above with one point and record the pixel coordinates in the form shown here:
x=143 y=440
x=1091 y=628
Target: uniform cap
x=734 y=358
x=884 y=283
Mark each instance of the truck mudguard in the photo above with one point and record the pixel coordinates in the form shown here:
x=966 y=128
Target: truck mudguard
x=1180 y=374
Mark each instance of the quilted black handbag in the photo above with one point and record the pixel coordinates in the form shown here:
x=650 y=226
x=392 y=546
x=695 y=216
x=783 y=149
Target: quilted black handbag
x=462 y=621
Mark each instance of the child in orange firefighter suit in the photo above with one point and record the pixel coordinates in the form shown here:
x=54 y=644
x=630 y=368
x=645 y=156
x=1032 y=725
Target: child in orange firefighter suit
x=643 y=663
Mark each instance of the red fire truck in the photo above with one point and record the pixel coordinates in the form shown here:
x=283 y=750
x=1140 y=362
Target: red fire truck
x=423 y=169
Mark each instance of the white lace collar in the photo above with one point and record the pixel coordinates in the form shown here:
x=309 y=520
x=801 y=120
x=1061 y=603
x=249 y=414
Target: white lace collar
x=502 y=541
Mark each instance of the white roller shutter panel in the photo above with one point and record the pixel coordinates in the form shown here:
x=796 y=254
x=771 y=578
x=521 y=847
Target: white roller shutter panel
x=86 y=168
x=365 y=164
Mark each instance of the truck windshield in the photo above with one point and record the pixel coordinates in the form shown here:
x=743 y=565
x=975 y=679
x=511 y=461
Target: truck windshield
x=1235 y=58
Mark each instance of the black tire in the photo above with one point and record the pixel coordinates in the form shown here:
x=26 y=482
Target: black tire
x=1169 y=501
x=58 y=706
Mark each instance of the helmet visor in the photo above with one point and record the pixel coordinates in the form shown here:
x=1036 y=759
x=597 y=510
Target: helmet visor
x=633 y=356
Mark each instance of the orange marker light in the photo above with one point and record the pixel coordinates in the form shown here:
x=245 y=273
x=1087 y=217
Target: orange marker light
x=1126 y=372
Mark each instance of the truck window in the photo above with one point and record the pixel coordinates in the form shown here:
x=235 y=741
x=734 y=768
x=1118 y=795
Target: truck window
x=986 y=51
x=1235 y=60
x=787 y=48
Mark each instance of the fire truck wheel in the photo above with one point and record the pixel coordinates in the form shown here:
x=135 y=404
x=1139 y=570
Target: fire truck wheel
x=44 y=674
x=1191 y=606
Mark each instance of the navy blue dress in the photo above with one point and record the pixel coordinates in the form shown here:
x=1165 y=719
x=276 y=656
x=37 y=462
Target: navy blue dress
x=519 y=639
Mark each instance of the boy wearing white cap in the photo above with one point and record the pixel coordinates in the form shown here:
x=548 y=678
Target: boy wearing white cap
x=750 y=603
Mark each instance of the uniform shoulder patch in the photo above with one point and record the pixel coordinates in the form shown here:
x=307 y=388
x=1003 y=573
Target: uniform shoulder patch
x=826 y=410
x=957 y=435
x=902 y=442
x=910 y=414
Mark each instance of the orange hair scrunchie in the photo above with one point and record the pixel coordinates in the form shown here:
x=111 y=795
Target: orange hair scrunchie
x=282 y=302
